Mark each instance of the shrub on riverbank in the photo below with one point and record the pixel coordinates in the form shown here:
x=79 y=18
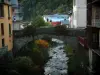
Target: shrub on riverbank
x=75 y=63
x=42 y=43
x=23 y=65
x=37 y=51
x=43 y=47
x=68 y=50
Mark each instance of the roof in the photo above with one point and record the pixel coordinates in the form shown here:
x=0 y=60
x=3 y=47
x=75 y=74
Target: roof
x=55 y=23
x=56 y=17
x=65 y=22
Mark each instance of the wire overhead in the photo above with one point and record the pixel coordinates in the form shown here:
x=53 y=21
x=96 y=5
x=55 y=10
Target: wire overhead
x=93 y=2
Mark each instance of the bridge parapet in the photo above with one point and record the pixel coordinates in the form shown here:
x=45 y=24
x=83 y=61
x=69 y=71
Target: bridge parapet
x=68 y=32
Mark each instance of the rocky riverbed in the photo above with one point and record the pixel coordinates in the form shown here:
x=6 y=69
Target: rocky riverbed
x=57 y=65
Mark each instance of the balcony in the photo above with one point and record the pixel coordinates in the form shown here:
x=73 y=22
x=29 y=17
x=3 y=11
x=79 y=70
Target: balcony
x=14 y=3
x=96 y=23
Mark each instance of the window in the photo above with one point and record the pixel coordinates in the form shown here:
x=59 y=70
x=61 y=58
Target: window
x=9 y=29
x=3 y=43
x=2 y=28
x=8 y=12
x=1 y=11
x=95 y=37
x=97 y=14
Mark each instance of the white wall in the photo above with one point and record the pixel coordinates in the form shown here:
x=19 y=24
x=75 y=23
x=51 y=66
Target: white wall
x=17 y=25
x=79 y=13
x=81 y=3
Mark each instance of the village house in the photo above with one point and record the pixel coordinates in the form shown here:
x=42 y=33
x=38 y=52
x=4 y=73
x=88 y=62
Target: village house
x=86 y=15
x=6 y=37
x=57 y=19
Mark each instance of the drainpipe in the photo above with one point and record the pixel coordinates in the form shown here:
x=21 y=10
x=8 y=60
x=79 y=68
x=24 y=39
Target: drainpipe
x=90 y=60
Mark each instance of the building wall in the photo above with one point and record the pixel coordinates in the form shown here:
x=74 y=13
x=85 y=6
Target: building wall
x=17 y=15
x=79 y=13
x=17 y=25
x=8 y=39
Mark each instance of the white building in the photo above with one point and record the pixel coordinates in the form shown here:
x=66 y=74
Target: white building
x=64 y=19
x=17 y=15
x=79 y=19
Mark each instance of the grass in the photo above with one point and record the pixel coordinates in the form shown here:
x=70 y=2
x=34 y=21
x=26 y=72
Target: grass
x=68 y=50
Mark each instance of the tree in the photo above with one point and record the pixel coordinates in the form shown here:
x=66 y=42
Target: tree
x=24 y=65
x=38 y=22
x=32 y=8
x=28 y=6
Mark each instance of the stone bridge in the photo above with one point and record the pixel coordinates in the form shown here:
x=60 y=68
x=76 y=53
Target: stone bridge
x=70 y=34
x=51 y=31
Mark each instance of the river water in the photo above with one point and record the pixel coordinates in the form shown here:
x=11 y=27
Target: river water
x=57 y=65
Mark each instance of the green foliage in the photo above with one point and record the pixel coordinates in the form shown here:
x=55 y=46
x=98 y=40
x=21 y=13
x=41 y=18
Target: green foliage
x=28 y=6
x=29 y=31
x=68 y=49
x=23 y=65
x=5 y=61
x=74 y=65
x=60 y=9
x=32 y=8
x=37 y=56
x=77 y=63
x=48 y=24
x=38 y=22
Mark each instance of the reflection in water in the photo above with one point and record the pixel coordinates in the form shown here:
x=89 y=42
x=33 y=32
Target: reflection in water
x=57 y=65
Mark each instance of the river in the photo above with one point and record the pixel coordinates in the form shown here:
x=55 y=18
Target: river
x=57 y=65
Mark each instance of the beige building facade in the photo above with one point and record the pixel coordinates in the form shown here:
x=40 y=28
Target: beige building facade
x=6 y=38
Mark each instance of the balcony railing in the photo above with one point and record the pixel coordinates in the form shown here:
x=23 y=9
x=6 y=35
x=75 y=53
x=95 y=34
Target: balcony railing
x=83 y=41
x=96 y=22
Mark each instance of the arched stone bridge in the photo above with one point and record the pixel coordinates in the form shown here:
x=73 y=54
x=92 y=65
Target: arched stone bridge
x=70 y=34
x=51 y=31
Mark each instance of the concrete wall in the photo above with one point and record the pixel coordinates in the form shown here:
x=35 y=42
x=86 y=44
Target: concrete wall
x=6 y=22
x=79 y=13
x=72 y=41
